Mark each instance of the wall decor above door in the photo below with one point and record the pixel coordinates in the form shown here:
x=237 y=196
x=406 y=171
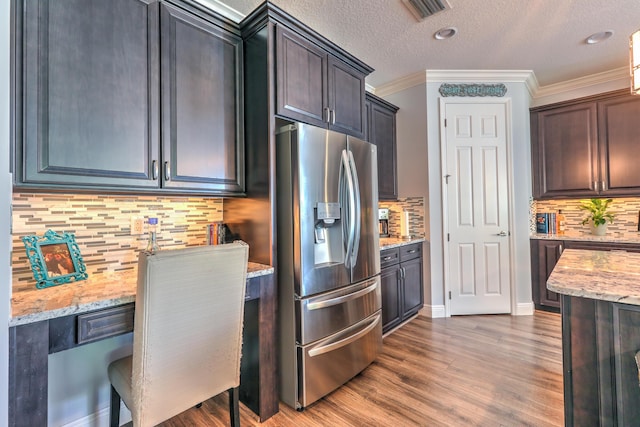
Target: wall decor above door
x=451 y=89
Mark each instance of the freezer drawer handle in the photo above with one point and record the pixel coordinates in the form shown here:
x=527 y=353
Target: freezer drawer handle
x=345 y=341
x=339 y=300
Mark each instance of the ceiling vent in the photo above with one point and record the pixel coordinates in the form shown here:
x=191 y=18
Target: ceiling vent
x=422 y=9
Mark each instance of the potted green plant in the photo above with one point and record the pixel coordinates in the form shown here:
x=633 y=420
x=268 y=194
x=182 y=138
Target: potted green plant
x=598 y=215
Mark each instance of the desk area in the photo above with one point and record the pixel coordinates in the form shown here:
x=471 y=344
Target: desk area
x=45 y=321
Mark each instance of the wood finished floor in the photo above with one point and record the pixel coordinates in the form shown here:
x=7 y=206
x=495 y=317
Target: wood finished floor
x=495 y=370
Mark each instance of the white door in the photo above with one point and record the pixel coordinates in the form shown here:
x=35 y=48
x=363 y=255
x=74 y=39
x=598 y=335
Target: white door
x=476 y=187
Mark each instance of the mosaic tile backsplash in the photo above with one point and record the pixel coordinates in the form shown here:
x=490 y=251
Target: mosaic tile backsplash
x=625 y=209
x=101 y=225
x=415 y=206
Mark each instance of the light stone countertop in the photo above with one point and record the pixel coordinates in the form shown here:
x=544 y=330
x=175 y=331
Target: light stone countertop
x=394 y=242
x=97 y=292
x=610 y=237
x=602 y=275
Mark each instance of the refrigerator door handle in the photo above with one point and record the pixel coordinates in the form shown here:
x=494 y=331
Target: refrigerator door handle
x=347 y=199
x=358 y=210
x=327 y=346
x=342 y=299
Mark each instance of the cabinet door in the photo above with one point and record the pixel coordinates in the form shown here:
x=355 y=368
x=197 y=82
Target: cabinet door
x=545 y=258
x=618 y=129
x=90 y=93
x=626 y=322
x=381 y=126
x=390 y=287
x=412 y=287
x=301 y=91
x=564 y=144
x=202 y=120
x=346 y=98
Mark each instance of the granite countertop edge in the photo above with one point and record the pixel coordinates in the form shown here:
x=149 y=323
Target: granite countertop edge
x=601 y=275
x=35 y=305
x=616 y=237
x=394 y=242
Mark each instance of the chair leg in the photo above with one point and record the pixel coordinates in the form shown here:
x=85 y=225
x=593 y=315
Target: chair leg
x=234 y=407
x=114 y=415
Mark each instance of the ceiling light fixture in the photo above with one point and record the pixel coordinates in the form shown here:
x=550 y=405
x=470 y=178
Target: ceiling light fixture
x=634 y=62
x=599 y=37
x=445 y=33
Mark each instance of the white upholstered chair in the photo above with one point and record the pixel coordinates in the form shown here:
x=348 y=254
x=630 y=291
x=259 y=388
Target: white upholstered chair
x=187 y=333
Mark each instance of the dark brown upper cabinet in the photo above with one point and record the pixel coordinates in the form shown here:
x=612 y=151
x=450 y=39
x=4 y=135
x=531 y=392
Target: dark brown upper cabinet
x=586 y=147
x=381 y=131
x=99 y=105
x=315 y=87
x=201 y=104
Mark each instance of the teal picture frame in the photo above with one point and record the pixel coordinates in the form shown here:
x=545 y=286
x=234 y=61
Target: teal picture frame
x=55 y=259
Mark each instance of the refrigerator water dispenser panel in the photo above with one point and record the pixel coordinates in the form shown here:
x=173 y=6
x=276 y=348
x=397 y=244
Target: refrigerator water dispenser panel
x=328 y=248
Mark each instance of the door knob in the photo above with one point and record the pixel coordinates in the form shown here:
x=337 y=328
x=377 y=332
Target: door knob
x=502 y=234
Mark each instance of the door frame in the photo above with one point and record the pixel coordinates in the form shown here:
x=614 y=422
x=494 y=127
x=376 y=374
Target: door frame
x=506 y=102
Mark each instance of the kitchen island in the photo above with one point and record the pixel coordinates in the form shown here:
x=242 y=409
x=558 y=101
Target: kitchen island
x=600 y=300
x=46 y=321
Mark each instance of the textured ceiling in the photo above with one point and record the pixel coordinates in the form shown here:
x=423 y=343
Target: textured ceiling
x=546 y=36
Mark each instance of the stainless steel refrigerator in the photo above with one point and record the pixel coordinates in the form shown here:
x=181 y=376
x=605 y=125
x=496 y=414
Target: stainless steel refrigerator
x=328 y=260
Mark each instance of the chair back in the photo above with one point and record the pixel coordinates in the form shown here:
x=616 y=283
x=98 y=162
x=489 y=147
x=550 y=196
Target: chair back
x=188 y=328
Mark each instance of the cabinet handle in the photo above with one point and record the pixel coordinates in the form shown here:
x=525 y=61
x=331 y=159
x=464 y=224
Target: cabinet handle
x=154 y=169
x=333 y=117
x=167 y=171
x=560 y=249
x=326 y=114
x=402 y=273
x=387 y=258
x=412 y=251
x=595 y=185
x=604 y=186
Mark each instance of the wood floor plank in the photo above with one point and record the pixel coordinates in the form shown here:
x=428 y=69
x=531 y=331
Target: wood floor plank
x=495 y=370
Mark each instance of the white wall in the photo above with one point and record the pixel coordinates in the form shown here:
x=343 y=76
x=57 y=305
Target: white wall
x=413 y=176
x=5 y=213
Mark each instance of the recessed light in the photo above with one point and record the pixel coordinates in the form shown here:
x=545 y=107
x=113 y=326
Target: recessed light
x=599 y=37
x=445 y=33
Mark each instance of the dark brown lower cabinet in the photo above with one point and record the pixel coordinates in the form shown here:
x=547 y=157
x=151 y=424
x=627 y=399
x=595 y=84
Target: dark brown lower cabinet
x=599 y=342
x=544 y=256
x=402 y=284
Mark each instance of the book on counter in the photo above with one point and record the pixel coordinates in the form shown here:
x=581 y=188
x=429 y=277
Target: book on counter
x=546 y=223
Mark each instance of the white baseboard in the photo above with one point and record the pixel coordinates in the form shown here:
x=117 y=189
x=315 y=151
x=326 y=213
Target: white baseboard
x=100 y=418
x=524 y=309
x=433 y=311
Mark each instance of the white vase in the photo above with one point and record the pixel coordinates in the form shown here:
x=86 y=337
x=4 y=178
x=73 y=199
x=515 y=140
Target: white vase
x=599 y=230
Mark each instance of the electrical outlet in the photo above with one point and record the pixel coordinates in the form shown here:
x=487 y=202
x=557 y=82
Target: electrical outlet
x=137 y=225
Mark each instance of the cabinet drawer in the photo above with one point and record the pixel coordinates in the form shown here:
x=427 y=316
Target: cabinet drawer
x=410 y=252
x=105 y=323
x=389 y=257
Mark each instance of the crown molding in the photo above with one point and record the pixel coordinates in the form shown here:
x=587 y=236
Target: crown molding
x=222 y=9
x=617 y=76
x=401 y=84
x=441 y=76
